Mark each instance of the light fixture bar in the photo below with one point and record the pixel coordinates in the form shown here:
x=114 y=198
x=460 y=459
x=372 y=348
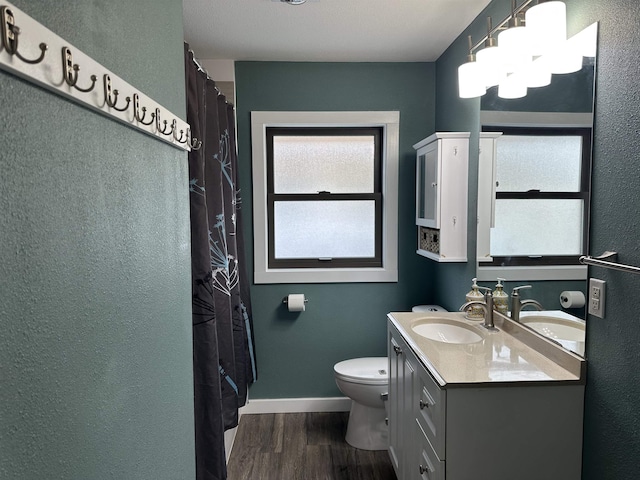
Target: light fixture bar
x=500 y=26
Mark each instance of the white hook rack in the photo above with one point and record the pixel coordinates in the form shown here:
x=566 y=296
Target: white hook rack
x=33 y=52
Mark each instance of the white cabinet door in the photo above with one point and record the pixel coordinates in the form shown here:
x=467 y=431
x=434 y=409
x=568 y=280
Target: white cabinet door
x=395 y=403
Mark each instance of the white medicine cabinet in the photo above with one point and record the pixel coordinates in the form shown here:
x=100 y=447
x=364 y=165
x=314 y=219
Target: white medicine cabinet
x=442 y=166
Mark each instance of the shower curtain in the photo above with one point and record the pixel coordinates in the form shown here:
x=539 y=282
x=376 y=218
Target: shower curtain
x=223 y=345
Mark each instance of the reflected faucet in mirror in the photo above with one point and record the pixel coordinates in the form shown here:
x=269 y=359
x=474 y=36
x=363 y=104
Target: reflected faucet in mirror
x=517 y=304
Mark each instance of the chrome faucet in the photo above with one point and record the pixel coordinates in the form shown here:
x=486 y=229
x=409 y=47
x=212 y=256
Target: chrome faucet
x=517 y=304
x=487 y=306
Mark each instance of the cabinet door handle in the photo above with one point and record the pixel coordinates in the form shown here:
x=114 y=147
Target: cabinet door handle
x=434 y=184
x=397 y=349
x=423 y=404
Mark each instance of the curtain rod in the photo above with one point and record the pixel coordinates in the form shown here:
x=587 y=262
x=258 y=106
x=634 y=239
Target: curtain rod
x=204 y=70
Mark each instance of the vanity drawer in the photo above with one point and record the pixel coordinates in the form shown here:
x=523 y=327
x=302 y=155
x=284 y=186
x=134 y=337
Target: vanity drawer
x=431 y=410
x=429 y=466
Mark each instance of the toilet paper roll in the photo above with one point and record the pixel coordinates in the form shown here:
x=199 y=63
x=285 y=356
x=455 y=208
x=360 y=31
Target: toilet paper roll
x=572 y=299
x=295 y=302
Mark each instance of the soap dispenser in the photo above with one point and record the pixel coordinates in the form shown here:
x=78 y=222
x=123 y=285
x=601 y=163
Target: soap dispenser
x=500 y=298
x=475 y=312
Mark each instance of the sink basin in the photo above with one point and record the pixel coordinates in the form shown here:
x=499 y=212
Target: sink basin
x=567 y=332
x=446 y=331
x=556 y=328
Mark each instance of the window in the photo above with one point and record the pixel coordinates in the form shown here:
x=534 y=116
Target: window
x=541 y=197
x=325 y=188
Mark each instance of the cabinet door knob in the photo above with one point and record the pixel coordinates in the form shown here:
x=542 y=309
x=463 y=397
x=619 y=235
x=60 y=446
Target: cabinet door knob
x=397 y=349
x=423 y=405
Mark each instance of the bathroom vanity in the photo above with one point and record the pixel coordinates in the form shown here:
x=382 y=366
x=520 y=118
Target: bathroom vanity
x=467 y=403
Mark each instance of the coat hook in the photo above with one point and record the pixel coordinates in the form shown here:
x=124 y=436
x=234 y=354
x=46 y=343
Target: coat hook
x=10 y=34
x=163 y=129
x=194 y=143
x=183 y=138
x=108 y=92
x=136 y=111
x=70 y=71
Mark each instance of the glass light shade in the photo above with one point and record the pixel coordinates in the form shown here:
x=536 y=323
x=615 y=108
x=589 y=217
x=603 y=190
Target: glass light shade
x=516 y=48
x=491 y=60
x=586 y=41
x=564 y=59
x=537 y=74
x=547 y=26
x=470 y=80
x=512 y=86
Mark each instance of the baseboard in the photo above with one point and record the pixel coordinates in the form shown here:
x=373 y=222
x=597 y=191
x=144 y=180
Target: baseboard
x=297 y=405
x=230 y=435
x=229 y=439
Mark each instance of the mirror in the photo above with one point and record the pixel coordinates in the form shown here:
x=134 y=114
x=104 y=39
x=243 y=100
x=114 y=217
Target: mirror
x=533 y=204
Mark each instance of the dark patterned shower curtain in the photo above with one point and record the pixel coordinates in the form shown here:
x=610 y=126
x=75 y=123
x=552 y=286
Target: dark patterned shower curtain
x=223 y=346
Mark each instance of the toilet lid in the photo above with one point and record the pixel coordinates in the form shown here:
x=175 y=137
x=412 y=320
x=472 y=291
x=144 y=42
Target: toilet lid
x=369 y=370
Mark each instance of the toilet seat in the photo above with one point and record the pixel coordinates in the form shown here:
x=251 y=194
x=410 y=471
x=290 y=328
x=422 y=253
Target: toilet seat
x=366 y=371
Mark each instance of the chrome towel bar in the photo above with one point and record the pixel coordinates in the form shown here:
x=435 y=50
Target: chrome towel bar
x=602 y=261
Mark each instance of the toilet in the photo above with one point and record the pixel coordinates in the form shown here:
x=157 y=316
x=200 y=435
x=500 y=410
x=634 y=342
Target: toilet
x=365 y=381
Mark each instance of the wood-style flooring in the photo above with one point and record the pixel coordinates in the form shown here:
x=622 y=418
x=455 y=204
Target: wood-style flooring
x=302 y=446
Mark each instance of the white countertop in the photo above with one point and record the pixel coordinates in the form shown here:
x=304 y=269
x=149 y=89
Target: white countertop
x=511 y=354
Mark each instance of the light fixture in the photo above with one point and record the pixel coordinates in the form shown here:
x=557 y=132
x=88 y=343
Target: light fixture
x=490 y=57
x=537 y=73
x=514 y=42
x=547 y=26
x=468 y=74
x=585 y=42
x=294 y=2
x=532 y=45
x=512 y=86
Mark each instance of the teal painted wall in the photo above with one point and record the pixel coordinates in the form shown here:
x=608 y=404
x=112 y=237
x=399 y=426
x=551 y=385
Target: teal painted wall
x=612 y=418
x=296 y=352
x=95 y=315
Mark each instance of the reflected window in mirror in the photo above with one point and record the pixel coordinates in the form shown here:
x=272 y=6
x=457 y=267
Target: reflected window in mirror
x=541 y=209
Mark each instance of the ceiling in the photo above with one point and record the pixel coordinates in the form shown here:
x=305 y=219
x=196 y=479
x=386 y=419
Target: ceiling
x=326 y=30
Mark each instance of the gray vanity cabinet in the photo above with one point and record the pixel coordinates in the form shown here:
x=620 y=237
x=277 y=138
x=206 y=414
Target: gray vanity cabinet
x=402 y=375
x=486 y=430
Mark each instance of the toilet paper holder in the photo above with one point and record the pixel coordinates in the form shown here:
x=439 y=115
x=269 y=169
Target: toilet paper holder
x=285 y=300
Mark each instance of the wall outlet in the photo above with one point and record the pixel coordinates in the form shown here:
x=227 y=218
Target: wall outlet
x=596 y=297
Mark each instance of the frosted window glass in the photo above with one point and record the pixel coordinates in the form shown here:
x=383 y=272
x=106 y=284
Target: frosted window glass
x=537 y=227
x=334 y=229
x=545 y=163
x=336 y=164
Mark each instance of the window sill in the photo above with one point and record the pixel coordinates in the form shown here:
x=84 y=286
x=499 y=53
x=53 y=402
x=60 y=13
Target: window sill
x=529 y=273
x=327 y=275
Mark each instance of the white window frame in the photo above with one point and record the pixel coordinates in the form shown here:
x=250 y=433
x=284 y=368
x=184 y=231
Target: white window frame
x=390 y=122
